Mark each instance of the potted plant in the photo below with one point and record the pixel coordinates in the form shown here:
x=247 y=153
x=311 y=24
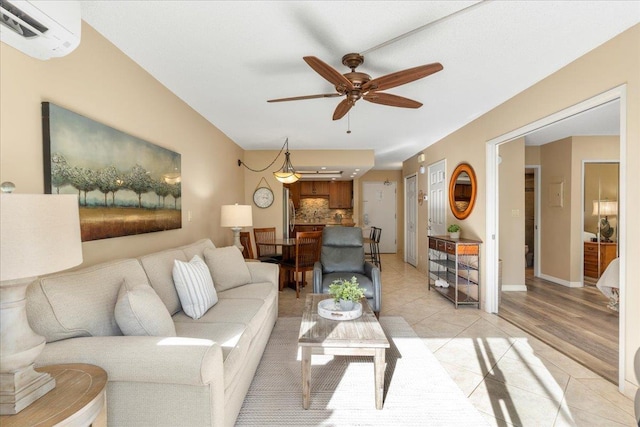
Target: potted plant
x=346 y=292
x=454 y=231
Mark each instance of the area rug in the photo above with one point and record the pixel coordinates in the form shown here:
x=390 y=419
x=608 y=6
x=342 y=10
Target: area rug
x=418 y=391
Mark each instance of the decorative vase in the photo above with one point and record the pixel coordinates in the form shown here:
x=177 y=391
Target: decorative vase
x=454 y=235
x=346 y=305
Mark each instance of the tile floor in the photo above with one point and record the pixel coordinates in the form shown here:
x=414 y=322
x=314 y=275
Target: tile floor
x=510 y=377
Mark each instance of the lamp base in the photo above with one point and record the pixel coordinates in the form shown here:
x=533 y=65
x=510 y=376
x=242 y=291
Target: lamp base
x=21 y=388
x=236 y=238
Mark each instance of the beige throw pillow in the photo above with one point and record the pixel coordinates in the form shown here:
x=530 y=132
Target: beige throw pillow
x=194 y=286
x=139 y=311
x=228 y=267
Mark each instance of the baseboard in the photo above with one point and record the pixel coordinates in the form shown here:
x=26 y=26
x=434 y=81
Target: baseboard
x=630 y=390
x=514 y=288
x=562 y=282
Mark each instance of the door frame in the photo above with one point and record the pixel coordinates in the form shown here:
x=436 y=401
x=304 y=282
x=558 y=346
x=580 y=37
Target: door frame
x=536 y=217
x=492 y=219
x=414 y=209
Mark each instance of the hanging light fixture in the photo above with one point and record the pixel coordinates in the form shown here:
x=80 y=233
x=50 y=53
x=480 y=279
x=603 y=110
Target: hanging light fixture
x=287 y=173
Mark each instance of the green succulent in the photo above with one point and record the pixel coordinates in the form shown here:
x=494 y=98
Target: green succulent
x=348 y=290
x=453 y=228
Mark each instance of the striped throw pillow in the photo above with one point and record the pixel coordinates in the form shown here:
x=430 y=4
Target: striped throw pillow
x=194 y=286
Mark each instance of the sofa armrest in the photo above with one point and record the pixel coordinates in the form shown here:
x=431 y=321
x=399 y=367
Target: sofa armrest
x=373 y=273
x=317 y=277
x=263 y=272
x=162 y=360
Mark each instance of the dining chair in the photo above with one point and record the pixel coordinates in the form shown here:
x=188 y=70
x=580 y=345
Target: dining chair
x=265 y=249
x=307 y=253
x=376 y=247
x=245 y=240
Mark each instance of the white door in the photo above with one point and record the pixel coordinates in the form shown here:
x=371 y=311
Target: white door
x=379 y=202
x=411 y=215
x=437 y=199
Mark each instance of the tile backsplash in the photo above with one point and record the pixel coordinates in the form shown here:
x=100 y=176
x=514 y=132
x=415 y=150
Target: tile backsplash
x=317 y=210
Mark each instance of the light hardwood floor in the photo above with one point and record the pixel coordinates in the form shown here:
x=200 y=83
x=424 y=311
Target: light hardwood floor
x=575 y=321
x=511 y=377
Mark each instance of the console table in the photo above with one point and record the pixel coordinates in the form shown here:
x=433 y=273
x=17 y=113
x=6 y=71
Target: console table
x=79 y=399
x=454 y=269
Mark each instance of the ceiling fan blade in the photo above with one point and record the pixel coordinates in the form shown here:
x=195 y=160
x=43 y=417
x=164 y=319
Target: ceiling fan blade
x=402 y=77
x=328 y=72
x=298 y=98
x=342 y=109
x=392 y=100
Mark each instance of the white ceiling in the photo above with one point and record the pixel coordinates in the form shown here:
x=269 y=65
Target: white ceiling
x=225 y=59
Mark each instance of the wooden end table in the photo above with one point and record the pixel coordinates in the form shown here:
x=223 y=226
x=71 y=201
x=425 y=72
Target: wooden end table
x=358 y=337
x=79 y=399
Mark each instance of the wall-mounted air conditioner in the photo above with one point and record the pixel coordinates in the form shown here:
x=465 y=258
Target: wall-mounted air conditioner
x=41 y=28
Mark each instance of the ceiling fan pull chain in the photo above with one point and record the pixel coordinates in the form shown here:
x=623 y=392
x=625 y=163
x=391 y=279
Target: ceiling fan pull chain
x=348 y=122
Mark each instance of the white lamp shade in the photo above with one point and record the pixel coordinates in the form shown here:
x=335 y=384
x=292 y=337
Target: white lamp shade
x=605 y=208
x=236 y=216
x=39 y=234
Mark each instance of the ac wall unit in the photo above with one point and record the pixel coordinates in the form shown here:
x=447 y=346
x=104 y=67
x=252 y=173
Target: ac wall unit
x=42 y=29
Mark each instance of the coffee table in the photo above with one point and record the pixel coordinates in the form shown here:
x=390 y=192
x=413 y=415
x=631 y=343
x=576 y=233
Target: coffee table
x=358 y=337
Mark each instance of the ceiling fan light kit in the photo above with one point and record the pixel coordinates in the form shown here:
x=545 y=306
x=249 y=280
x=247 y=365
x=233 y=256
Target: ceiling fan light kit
x=356 y=85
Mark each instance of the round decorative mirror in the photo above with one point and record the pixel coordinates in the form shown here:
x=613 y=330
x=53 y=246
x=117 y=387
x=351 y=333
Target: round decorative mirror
x=462 y=190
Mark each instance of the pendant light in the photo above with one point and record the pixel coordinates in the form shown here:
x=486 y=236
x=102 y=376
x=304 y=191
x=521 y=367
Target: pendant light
x=287 y=173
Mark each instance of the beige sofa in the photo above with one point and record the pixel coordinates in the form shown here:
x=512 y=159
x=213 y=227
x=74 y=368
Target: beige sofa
x=198 y=377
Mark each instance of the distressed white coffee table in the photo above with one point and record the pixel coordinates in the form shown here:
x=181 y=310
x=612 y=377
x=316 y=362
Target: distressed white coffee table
x=358 y=337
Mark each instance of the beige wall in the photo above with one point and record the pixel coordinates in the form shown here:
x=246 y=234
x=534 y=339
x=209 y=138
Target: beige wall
x=511 y=184
x=100 y=82
x=556 y=252
x=532 y=155
x=614 y=63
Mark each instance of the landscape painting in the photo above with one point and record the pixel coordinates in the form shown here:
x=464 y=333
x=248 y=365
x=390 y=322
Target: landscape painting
x=125 y=185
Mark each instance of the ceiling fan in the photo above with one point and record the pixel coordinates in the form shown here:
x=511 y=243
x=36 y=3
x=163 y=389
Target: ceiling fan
x=356 y=85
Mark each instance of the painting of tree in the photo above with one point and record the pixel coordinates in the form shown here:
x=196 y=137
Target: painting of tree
x=95 y=161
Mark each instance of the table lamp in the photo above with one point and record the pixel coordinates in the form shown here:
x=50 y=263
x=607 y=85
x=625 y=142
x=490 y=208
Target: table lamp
x=39 y=234
x=605 y=208
x=236 y=216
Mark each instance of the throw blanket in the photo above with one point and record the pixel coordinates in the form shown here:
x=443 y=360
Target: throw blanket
x=609 y=282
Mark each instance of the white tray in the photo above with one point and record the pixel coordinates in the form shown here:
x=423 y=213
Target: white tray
x=330 y=310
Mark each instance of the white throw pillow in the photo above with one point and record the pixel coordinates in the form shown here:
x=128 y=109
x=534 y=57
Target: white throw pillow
x=228 y=267
x=139 y=311
x=195 y=286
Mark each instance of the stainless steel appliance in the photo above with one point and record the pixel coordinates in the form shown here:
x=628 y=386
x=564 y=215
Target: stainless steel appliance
x=288 y=214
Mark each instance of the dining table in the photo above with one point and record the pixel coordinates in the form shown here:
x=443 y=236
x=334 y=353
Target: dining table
x=288 y=253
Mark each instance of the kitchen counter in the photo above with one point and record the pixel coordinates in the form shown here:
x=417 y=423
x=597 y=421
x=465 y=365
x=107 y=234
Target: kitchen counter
x=328 y=223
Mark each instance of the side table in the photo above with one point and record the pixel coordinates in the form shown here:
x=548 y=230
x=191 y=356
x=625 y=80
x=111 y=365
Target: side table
x=79 y=399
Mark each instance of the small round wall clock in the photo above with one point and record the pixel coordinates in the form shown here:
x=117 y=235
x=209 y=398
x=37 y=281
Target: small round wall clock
x=263 y=197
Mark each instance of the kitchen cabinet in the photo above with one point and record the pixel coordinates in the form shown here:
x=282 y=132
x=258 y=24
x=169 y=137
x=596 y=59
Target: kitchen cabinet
x=294 y=193
x=307 y=227
x=314 y=188
x=340 y=194
x=454 y=269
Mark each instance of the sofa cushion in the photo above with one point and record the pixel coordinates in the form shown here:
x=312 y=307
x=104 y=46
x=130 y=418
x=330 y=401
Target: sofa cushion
x=159 y=269
x=228 y=267
x=195 y=287
x=80 y=303
x=140 y=311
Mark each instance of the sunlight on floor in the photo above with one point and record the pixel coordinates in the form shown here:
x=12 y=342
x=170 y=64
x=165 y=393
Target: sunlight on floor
x=511 y=377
